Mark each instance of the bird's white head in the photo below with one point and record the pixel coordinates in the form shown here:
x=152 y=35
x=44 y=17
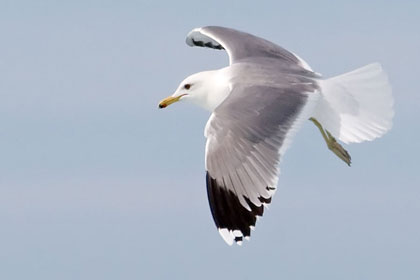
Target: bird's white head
x=206 y=89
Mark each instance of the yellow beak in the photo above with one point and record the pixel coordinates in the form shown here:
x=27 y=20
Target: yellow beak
x=169 y=100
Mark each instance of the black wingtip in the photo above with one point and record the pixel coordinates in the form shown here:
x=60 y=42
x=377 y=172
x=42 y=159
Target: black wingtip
x=228 y=212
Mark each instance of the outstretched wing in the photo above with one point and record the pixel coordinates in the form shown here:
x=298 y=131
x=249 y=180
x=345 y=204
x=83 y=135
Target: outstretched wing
x=246 y=135
x=240 y=45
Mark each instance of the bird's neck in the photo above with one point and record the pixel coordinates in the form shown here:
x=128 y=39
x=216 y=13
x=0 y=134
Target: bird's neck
x=215 y=90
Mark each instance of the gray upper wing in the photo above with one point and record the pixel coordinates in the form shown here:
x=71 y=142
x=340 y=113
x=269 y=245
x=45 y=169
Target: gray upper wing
x=245 y=136
x=239 y=45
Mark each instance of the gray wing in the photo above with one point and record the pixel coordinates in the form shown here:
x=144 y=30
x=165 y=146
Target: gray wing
x=240 y=45
x=246 y=135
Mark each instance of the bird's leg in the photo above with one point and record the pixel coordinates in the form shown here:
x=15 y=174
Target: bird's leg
x=332 y=144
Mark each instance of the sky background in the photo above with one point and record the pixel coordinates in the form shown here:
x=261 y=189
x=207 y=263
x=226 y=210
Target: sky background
x=97 y=183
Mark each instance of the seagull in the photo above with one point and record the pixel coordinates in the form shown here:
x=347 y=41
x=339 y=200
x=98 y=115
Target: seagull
x=257 y=104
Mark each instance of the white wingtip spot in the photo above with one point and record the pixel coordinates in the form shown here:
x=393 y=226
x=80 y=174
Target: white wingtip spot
x=237 y=233
x=190 y=36
x=197 y=35
x=226 y=235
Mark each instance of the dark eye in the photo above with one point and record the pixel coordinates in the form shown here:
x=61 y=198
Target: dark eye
x=187 y=86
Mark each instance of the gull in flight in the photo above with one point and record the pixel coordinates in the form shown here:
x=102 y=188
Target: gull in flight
x=257 y=103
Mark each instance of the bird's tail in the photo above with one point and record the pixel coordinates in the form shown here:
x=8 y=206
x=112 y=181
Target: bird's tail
x=356 y=106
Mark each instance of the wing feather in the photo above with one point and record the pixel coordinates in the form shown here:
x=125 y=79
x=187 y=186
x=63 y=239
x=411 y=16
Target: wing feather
x=241 y=46
x=243 y=153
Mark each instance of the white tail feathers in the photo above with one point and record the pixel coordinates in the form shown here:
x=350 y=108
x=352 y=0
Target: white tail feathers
x=356 y=106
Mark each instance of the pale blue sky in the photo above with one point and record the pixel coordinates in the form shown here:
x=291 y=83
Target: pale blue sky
x=97 y=183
